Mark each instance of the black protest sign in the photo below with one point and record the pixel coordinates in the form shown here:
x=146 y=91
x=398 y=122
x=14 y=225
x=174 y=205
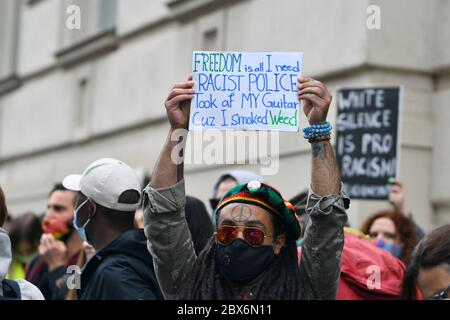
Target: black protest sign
x=367 y=144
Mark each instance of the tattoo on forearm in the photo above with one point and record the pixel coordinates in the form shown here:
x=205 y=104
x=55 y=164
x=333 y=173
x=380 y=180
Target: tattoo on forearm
x=318 y=150
x=241 y=213
x=325 y=173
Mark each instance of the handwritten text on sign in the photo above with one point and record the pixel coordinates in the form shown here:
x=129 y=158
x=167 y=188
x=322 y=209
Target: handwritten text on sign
x=245 y=91
x=367 y=147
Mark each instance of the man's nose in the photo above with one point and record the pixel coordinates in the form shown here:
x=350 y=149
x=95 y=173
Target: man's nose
x=241 y=235
x=51 y=213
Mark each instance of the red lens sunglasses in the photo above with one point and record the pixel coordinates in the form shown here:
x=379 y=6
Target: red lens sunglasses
x=254 y=236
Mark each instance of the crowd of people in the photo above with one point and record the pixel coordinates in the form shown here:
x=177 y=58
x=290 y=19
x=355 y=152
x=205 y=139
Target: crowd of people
x=105 y=236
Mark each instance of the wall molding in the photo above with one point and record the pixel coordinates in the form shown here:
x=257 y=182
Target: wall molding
x=76 y=143
x=88 y=48
x=9 y=84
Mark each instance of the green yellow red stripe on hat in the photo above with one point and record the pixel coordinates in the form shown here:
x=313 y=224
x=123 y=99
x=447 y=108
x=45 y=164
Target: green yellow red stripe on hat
x=266 y=197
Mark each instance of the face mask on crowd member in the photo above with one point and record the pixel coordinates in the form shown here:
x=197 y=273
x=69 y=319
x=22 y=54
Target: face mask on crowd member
x=392 y=231
x=106 y=183
x=89 y=209
x=60 y=213
x=429 y=268
x=393 y=248
x=385 y=236
x=250 y=230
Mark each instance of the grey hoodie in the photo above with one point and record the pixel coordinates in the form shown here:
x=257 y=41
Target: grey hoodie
x=241 y=177
x=27 y=290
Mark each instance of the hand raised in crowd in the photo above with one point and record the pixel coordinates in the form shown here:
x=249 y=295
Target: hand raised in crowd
x=397 y=196
x=54 y=252
x=316 y=99
x=178 y=104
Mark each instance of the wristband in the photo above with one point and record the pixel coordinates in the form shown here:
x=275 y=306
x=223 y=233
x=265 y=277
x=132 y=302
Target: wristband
x=317 y=130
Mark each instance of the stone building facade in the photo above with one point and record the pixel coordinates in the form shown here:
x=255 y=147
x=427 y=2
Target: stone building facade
x=69 y=96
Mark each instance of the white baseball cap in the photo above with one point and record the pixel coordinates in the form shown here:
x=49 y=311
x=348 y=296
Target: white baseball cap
x=104 y=181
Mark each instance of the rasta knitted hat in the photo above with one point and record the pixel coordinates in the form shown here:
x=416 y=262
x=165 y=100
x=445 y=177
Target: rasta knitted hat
x=266 y=197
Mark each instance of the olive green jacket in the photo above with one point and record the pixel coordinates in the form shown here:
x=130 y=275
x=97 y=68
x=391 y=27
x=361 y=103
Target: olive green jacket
x=169 y=241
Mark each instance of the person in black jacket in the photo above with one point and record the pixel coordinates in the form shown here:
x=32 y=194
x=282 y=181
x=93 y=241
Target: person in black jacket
x=122 y=270
x=109 y=193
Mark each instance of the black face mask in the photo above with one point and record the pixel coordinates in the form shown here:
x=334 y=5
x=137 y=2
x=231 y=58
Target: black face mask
x=240 y=263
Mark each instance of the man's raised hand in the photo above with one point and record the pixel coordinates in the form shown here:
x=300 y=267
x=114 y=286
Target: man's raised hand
x=316 y=99
x=178 y=104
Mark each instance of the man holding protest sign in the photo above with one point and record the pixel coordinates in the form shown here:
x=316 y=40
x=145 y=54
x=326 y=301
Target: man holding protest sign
x=253 y=254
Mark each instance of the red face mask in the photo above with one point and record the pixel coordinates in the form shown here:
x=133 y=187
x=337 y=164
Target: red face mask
x=58 y=228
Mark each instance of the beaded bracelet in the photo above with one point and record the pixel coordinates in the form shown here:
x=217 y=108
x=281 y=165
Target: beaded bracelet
x=319 y=139
x=317 y=130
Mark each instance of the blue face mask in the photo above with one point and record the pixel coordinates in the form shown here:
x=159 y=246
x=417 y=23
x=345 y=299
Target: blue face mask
x=394 y=249
x=82 y=230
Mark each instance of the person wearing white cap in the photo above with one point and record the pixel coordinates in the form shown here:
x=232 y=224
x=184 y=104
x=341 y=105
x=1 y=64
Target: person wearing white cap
x=109 y=192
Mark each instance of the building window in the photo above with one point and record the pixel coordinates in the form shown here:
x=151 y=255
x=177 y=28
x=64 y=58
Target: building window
x=9 y=44
x=33 y=2
x=209 y=31
x=88 y=28
x=210 y=40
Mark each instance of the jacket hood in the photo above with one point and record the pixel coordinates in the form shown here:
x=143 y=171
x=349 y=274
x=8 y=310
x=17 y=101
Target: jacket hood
x=361 y=261
x=241 y=177
x=124 y=260
x=132 y=244
x=5 y=253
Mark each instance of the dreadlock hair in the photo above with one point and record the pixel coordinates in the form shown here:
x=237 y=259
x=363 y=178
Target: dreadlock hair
x=280 y=281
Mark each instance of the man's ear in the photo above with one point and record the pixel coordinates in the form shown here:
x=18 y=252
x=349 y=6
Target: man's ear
x=91 y=208
x=279 y=243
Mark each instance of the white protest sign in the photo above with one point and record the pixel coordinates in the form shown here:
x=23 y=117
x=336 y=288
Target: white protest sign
x=245 y=91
